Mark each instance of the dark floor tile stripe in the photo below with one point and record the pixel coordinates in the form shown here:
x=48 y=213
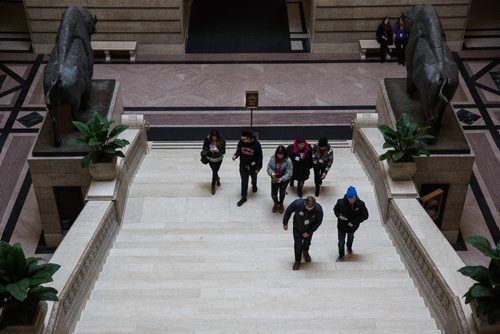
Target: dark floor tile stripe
x=208 y=62
x=241 y=108
x=16 y=210
x=19 y=102
x=485 y=210
x=485 y=70
x=11 y=73
x=477 y=99
x=285 y=133
x=488 y=89
x=10 y=91
x=302 y=18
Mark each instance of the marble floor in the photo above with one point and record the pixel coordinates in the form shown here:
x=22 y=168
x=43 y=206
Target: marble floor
x=182 y=96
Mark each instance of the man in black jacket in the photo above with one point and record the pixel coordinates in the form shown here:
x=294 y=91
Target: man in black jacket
x=250 y=153
x=308 y=216
x=350 y=211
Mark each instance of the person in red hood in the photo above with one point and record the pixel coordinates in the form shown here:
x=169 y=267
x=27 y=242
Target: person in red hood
x=301 y=155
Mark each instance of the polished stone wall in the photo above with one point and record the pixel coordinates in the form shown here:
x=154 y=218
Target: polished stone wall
x=338 y=25
x=160 y=26
x=157 y=25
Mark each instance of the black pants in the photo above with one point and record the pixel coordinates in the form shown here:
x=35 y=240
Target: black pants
x=350 y=239
x=245 y=172
x=318 y=171
x=384 y=50
x=401 y=47
x=282 y=189
x=215 y=169
x=300 y=244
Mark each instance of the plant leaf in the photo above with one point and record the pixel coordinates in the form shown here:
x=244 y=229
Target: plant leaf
x=15 y=261
x=483 y=245
x=83 y=128
x=479 y=291
x=44 y=293
x=117 y=130
x=85 y=161
x=19 y=290
x=478 y=273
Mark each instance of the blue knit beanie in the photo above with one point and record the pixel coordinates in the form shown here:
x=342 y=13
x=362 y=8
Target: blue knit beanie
x=351 y=192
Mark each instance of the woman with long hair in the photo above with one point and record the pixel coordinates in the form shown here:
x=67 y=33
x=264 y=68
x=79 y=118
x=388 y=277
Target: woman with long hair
x=214 y=147
x=384 y=37
x=280 y=170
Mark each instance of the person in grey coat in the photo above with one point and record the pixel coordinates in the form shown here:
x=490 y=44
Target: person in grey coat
x=280 y=170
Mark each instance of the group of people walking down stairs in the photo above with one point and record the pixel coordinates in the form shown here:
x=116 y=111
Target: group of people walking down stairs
x=286 y=166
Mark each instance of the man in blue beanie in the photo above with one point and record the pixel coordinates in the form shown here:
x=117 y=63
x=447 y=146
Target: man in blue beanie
x=350 y=211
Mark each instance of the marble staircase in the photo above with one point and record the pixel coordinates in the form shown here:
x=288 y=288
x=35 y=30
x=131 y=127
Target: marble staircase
x=186 y=261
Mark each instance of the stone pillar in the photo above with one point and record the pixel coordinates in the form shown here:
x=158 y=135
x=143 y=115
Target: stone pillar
x=451 y=159
x=52 y=166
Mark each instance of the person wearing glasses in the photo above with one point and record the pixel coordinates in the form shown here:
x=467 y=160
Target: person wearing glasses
x=351 y=212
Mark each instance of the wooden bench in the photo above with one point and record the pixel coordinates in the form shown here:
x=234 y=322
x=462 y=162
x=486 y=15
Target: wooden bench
x=108 y=46
x=370 y=44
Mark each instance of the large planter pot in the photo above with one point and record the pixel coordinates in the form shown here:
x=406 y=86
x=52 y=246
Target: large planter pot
x=103 y=171
x=401 y=171
x=481 y=322
x=35 y=327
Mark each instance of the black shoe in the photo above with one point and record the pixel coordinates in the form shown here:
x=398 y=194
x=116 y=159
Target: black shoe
x=241 y=202
x=316 y=193
x=340 y=258
x=213 y=188
x=254 y=188
x=275 y=207
x=296 y=265
x=306 y=255
x=299 y=191
x=349 y=250
x=281 y=209
x=218 y=182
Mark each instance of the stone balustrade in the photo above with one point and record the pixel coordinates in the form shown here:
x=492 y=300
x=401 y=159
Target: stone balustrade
x=85 y=247
x=428 y=256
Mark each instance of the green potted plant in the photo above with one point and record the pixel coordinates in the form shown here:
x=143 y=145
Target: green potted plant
x=21 y=290
x=405 y=142
x=104 y=147
x=484 y=295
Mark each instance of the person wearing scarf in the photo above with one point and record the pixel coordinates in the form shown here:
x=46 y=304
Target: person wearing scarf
x=280 y=170
x=300 y=154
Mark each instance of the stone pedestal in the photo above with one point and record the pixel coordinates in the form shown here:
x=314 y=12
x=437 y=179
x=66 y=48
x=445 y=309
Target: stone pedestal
x=450 y=164
x=56 y=171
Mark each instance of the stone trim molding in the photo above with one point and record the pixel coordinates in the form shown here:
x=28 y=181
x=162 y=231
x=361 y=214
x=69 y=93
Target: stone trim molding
x=85 y=247
x=427 y=267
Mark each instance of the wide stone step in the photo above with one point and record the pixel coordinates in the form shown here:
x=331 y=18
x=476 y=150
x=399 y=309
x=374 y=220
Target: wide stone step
x=186 y=261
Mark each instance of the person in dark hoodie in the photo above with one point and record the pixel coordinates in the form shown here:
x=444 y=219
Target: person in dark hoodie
x=214 y=147
x=300 y=154
x=250 y=153
x=308 y=216
x=351 y=212
x=322 y=158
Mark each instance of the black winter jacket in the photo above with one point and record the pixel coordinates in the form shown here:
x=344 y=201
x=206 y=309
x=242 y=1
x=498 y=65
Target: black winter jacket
x=302 y=215
x=250 y=154
x=355 y=214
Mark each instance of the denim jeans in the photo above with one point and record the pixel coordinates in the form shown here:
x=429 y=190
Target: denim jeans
x=350 y=239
